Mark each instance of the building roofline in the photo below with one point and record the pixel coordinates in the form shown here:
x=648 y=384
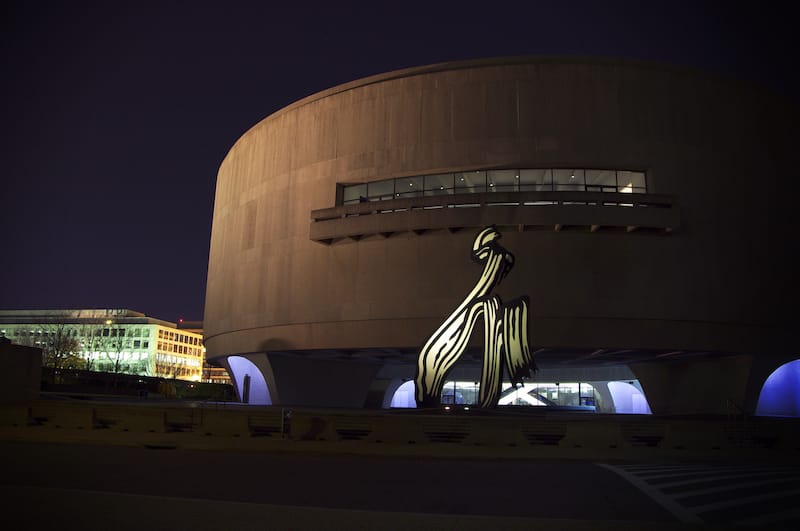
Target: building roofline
x=78 y=316
x=501 y=61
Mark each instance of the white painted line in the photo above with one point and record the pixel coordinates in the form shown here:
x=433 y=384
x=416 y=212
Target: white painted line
x=698 y=470
x=677 y=510
x=732 y=477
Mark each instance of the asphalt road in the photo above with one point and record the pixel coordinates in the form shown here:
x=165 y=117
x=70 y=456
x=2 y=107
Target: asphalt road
x=114 y=487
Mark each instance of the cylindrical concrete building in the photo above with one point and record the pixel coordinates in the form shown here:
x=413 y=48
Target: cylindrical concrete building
x=647 y=208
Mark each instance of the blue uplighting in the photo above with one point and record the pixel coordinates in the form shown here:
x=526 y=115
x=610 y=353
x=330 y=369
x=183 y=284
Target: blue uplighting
x=404 y=396
x=780 y=396
x=259 y=393
x=628 y=399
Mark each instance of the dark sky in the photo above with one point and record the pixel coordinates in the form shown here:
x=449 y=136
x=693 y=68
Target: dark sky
x=117 y=115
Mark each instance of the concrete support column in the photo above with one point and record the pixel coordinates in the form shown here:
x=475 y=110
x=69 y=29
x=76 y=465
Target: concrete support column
x=295 y=380
x=716 y=386
x=381 y=392
x=606 y=401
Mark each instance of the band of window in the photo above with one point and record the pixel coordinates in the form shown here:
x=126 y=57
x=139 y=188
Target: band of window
x=518 y=180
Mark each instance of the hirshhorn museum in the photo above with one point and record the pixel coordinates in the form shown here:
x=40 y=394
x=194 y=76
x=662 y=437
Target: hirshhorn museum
x=646 y=210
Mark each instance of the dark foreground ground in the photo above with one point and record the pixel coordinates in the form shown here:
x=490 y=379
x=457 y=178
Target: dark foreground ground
x=89 y=486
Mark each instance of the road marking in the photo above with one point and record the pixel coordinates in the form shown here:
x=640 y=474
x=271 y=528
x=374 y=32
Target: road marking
x=723 y=488
x=675 y=487
x=667 y=502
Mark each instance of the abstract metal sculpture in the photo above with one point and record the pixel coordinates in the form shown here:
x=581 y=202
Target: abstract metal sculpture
x=505 y=325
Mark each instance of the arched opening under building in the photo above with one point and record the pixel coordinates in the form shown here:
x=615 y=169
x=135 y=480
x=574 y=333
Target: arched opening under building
x=628 y=399
x=780 y=395
x=250 y=383
x=404 y=396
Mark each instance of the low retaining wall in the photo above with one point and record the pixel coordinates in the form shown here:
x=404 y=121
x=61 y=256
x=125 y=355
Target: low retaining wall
x=461 y=428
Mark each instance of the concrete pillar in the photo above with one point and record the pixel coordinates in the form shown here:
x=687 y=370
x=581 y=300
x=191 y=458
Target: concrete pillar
x=715 y=386
x=381 y=392
x=296 y=380
x=606 y=404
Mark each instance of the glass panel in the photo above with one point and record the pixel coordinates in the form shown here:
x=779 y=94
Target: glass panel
x=408 y=187
x=471 y=182
x=439 y=184
x=601 y=180
x=631 y=182
x=503 y=180
x=380 y=190
x=568 y=180
x=354 y=193
x=535 y=180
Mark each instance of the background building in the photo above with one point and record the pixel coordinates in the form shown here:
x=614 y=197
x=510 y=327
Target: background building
x=111 y=340
x=648 y=208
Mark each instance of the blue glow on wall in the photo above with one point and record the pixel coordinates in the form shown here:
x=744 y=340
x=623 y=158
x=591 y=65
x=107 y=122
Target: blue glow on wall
x=404 y=396
x=780 y=396
x=241 y=367
x=628 y=399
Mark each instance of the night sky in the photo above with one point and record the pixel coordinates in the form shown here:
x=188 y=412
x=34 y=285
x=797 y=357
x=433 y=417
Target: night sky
x=117 y=115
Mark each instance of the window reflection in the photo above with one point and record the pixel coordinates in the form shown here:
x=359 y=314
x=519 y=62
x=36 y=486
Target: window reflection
x=503 y=180
x=380 y=190
x=471 y=182
x=568 y=180
x=439 y=184
x=535 y=180
x=630 y=182
x=601 y=181
x=408 y=187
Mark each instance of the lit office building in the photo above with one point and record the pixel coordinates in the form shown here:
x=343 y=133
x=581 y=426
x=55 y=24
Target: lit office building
x=109 y=340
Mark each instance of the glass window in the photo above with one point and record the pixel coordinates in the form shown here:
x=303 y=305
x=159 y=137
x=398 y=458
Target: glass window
x=137 y=343
x=523 y=180
x=146 y=332
x=631 y=182
x=439 y=184
x=381 y=190
x=503 y=180
x=601 y=180
x=354 y=194
x=535 y=180
x=568 y=180
x=145 y=344
x=470 y=182
x=408 y=187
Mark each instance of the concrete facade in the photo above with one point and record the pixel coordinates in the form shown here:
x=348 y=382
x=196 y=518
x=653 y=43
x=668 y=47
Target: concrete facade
x=708 y=277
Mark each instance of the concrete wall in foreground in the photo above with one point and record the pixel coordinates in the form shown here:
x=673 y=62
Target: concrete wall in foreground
x=721 y=282
x=21 y=377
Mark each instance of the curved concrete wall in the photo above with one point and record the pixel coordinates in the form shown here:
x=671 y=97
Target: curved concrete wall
x=718 y=149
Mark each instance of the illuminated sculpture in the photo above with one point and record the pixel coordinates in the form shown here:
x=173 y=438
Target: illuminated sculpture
x=505 y=325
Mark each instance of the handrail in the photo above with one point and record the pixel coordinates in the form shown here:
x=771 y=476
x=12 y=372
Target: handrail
x=495 y=198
